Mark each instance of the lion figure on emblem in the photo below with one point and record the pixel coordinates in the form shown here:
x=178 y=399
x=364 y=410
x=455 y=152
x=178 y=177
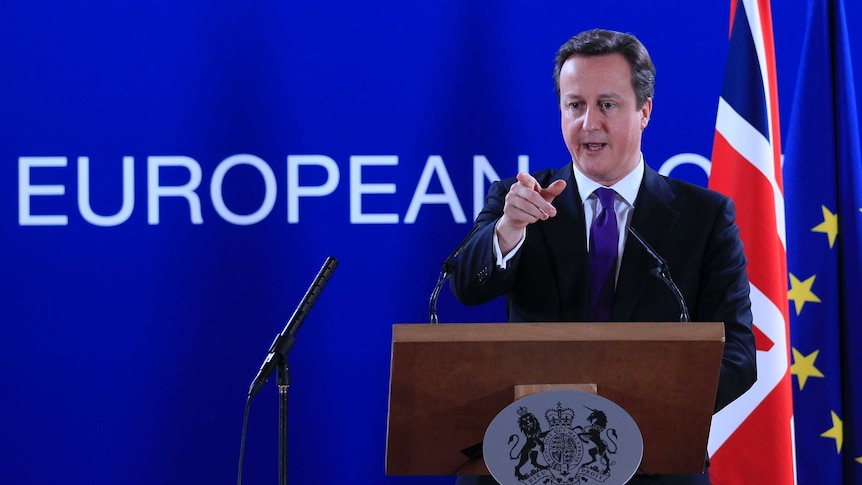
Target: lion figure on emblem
x=534 y=438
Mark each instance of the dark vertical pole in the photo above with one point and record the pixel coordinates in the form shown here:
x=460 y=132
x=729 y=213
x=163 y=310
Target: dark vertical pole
x=283 y=386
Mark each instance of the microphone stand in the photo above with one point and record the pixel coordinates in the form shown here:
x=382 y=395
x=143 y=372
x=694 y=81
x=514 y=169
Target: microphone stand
x=445 y=273
x=276 y=359
x=283 y=382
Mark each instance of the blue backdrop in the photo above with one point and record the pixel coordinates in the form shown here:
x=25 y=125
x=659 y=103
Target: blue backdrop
x=174 y=174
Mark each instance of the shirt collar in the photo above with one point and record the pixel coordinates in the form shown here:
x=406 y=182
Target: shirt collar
x=627 y=187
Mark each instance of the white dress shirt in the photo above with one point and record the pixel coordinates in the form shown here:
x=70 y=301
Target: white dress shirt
x=626 y=190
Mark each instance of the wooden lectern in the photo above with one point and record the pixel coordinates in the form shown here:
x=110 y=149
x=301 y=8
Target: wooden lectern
x=448 y=381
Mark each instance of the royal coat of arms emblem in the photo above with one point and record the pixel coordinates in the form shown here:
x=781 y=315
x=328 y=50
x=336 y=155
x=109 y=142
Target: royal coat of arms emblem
x=586 y=439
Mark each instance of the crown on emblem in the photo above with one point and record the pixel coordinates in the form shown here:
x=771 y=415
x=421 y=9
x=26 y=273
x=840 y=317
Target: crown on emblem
x=522 y=411
x=560 y=417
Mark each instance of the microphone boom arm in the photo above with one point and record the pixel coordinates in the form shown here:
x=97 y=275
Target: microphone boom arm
x=662 y=272
x=445 y=274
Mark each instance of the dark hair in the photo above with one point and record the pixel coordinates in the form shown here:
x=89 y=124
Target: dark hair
x=600 y=42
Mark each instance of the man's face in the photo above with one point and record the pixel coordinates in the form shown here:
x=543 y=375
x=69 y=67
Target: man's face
x=599 y=116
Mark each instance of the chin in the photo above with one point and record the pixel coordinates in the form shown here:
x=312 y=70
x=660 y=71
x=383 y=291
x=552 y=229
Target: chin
x=595 y=168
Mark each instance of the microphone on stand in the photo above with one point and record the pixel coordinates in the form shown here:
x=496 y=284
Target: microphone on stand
x=286 y=339
x=445 y=273
x=662 y=272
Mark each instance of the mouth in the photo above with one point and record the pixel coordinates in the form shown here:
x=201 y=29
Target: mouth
x=593 y=147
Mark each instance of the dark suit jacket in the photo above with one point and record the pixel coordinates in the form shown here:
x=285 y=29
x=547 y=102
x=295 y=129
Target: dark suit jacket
x=691 y=227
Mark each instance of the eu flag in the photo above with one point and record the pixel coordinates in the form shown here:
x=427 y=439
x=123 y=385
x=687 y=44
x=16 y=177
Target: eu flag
x=823 y=197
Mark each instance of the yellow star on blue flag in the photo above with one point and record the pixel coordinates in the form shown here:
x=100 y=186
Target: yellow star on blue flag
x=829 y=226
x=800 y=292
x=803 y=367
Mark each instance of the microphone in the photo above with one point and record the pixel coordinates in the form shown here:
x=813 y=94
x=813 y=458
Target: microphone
x=284 y=341
x=662 y=272
x=445 y=273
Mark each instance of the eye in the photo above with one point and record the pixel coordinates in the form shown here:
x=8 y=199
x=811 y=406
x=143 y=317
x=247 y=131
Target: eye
x=574 y=105
x=608 y=105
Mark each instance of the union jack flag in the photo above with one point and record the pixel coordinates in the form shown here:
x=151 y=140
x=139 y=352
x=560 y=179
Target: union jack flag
x=751 y=439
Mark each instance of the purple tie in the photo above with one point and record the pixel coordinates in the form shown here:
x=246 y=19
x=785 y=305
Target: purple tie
x=603 y=258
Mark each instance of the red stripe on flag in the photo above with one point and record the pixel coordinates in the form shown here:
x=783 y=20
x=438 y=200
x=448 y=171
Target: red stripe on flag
x=763 y=343
x=772 y=81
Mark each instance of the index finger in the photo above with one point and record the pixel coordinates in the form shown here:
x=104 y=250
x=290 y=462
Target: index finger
x=528 y=181
x=535 y=194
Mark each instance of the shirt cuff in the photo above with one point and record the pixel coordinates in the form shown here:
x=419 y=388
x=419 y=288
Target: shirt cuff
x=501 y=260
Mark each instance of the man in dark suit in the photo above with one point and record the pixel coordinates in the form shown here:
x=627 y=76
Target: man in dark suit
x=536 y=230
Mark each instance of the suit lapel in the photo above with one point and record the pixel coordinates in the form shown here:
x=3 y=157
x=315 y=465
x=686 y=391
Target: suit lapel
x=653 y=218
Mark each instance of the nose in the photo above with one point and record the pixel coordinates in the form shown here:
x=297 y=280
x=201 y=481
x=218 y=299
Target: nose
x=592 y=119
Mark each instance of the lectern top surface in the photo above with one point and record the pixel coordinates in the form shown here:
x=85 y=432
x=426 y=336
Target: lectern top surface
x=635 y=331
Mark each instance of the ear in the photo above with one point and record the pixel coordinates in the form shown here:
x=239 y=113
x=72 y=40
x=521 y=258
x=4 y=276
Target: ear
x=646 y=111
